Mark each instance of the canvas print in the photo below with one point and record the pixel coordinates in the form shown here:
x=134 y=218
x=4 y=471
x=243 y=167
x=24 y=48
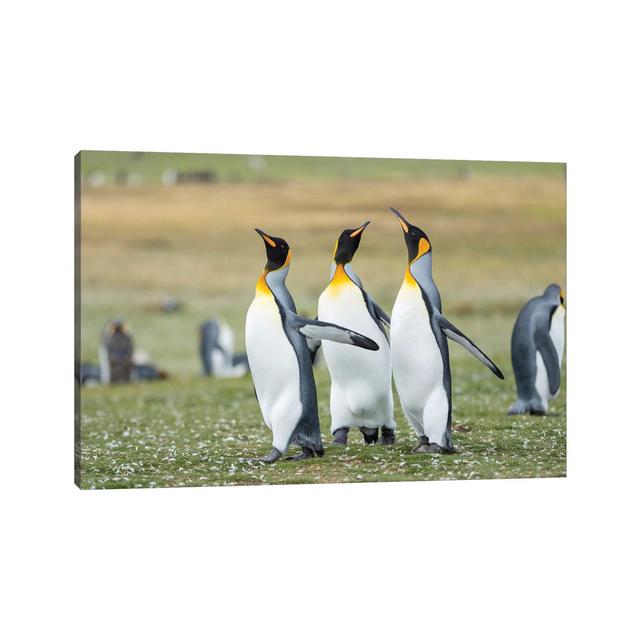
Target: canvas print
x=253 y=319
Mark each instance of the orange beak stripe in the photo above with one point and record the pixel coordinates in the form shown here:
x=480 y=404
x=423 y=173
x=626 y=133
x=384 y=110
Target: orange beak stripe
x=359 y=231
x=269 y=240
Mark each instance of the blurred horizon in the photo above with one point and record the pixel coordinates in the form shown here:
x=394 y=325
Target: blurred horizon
x=149 y=167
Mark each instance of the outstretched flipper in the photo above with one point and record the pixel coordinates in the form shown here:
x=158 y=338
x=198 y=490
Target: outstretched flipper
x=313 y=344
x=550 y=358
x=453 y=333
x=318 y=330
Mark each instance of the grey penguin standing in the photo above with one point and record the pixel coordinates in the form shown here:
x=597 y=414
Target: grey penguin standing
x=419 y=349
x=360 y=380
x=537 y=346
x=116 y=352
x=280 y=358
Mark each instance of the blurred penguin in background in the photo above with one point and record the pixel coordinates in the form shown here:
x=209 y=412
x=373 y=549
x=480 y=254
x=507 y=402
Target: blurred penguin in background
x=216 y=351
x=116 y=353
x=147 y=372
x=537 y=347
x=87 y=373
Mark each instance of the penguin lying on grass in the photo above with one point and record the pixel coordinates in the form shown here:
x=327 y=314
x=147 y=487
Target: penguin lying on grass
x=419 y=349
x=537 y=346
x=360 y=380
x=280 y=358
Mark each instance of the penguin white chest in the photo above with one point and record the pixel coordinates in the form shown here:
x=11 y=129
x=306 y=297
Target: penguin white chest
x=360 y=378
x=273 y=364
x=415 y=354
x=556 y=333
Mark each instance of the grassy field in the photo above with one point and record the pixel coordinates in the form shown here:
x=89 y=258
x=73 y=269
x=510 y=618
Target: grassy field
x=149 y=167
x=498 y=235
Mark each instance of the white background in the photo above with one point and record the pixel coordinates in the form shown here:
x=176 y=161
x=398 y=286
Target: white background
x=538 y=80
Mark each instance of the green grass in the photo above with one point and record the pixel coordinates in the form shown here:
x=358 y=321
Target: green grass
x=204 y=432
x=232 y=167
x=498 y=238
x=192 y=431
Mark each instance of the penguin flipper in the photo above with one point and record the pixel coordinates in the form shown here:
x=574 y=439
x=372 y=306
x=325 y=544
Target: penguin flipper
x=313 y=345
x=376 y=311
x=378 y=314
x=453 y=333
x=318 y=330
x=381 y=314
x=549 y=355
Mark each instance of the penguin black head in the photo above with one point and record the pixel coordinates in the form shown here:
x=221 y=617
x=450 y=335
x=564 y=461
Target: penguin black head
x=348 y=243
x=278 y=252
x=416 y=239
x=554 y=293
x=118 y=325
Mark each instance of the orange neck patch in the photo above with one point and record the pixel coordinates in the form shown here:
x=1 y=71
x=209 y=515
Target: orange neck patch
x=262 y=288
x=340 y=279
x=409 y=280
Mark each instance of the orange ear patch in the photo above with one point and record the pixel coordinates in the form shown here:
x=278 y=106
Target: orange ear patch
x=424 y=246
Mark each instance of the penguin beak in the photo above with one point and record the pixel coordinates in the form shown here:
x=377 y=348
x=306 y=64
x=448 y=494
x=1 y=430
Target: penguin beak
x=359 y=230
x=403 y=223
x=265 y=237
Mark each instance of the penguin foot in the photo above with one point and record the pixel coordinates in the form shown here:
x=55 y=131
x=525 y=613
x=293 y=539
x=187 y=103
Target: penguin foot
x=340 y=436
x=423 y=441
x=272 y=456
x=307 y=452
x=370 y=435
x=387 y=436
x=433 y=448
x=522 y=407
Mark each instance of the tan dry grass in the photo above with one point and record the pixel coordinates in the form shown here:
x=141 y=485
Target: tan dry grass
x=201 y=238
x=497 y=241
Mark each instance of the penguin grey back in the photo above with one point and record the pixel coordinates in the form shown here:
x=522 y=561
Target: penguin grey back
x=209 y=332
x=531 y=335
x=307 y=432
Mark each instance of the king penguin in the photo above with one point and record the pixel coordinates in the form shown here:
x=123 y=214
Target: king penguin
x=419 y=349
x=537 y=346
x=360 y=380
x=116 y=352
x=280 y=357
